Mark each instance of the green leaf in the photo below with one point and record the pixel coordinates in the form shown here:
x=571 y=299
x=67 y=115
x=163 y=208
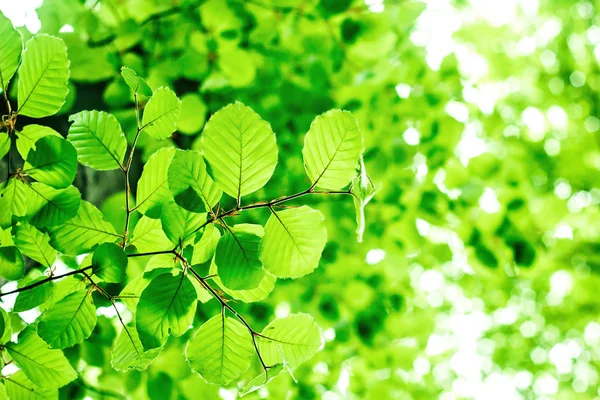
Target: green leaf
x=363 y=191
x=178 y=224
x=220 y=350
x=205 y=248
x=4 y=144
x=331 y=150
x=12 y=201
x=19 y=387
x=237 y=257
x=167 y=306
x=149 y=236
x=29 y=135
x=161 y=114
x=12 y=266
x=46 y=368
x=127 y=352
x=98 y=139
x=292 y=340
x=5 y=326
x=293 y=242
x=191 y=186
x=43 y=77
x=135 y=82
x=153 y=187
x=69 y=321
x=84 y=231
x=109 y=263
x=240 y=149
x=11 y=46
x=34 y=244
x=47 y=206
x=193 y=114
x=262 y=379
x=247 y=296
x=53 y=162
x=33 y=297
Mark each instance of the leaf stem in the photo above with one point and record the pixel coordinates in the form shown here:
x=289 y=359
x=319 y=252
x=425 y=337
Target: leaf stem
x=127 y=167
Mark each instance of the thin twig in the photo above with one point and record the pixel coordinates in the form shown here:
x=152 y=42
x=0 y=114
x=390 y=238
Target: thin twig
x=50 y=278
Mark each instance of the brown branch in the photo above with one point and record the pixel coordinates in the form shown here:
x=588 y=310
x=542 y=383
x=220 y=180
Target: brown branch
x=50 y=278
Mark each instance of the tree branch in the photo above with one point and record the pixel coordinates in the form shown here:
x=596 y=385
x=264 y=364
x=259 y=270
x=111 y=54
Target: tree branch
x=50 y=278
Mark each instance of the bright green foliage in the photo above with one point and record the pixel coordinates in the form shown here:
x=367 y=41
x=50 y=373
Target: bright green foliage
x=46 y=368
x=12 y=266
x=161 y=113
x=128 y=353
x=34 y=244
x=34 y=297
x=220 y=350
x=4 y=145
x=18 y=387
x=135 y=82
x=30 y=134
x=166 y=307
x=148 y=235
x=43 y=76
x=109 y=262
x=153 y=187
x=180 y=224
x=53 y=162
x=193 y=114
x=98 y=139
x=69 y=321
x=240 y=148
x=293 y=242
x=11 y=45
x=262 y=379
x=236 y=257
x=48 y=207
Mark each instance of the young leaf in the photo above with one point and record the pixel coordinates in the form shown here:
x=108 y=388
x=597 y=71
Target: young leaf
x=11 y=46
x=29 y=135
x=18 y=387
x=237 y=257
x=109 y=263
x=178 y=224
x=12 y=266
x=127 y=352
x=220 y=350
x=12 y=201
x=293 y=242
x=331 y=149
x=167 y=306
x=259 y=293
x=262 y=379
x=47 y=206
x=363 y=191
x=149 y=236
x=34 y=244
x=43 y=77
x=98 y=139
x=53 y=162
x=34 y=297
x=135 y=82
x=44 y=367
x=69 y=321
x=191 y=186
x=291 y=340
x=240 y=148
x=84 y=231
x=161 y=114
x=204 y=249
x=153 y=187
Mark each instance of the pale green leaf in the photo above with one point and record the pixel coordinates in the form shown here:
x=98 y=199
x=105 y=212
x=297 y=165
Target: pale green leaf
x=46 y=368
x=4 y=144
x=43 y=77
x=193 y=114
x=149 y=236
x=18 y=387
x=53 y=161
x=34 y=244
x=84 y=231
x=47 y=206
x=69 y=321
x=153 y=187
x=109 y=263
x=99 y=140
x=331 y=150
x=259 y=293
x=29 y=135
x=240 y=148
x=237 y=259
x=5 y=326
x=166 y=307
x=161 y=114
x=135 y=82
x=179 y=224
x=191 y=186
x=33 y=297
x=127 y=352
x=293 y=242
x=292 y=340
x=220 y=350
x=205 y=248
x=12 y=266
x=262 y=379
x=11 y=46
x=12 y=201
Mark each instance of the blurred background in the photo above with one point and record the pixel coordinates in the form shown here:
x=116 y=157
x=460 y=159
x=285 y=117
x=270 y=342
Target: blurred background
x=478 y=276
